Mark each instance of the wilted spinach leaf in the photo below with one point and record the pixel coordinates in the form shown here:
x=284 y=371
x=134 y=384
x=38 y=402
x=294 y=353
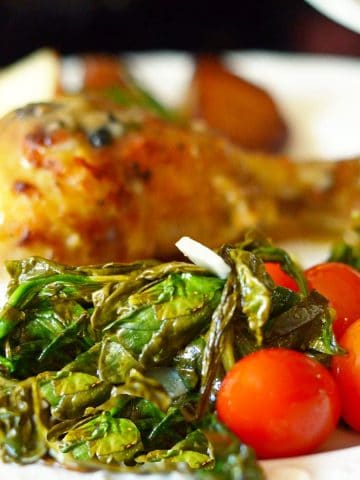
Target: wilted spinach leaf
x=103 y=439
x=194 y=450
x=70 y=393
x=121 y=362
x=22 y=431
x=306 y=326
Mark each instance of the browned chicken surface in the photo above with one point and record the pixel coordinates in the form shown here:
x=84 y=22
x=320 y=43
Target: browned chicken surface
x=85 y=182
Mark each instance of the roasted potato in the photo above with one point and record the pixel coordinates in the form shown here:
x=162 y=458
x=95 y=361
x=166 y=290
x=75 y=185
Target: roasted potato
x=235 y=107
x=35 y=78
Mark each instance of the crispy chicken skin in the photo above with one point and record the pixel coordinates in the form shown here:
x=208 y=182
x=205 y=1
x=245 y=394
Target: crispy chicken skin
x=84 y=181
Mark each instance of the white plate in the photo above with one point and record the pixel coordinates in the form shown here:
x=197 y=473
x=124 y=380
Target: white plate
x=345 y=12
x=319 y=96
x=320 y=100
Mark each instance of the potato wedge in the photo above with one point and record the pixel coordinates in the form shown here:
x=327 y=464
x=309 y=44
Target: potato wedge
x=32 y=79
x=242 y=111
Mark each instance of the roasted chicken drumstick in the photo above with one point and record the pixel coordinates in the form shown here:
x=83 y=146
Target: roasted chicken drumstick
x=85 y=181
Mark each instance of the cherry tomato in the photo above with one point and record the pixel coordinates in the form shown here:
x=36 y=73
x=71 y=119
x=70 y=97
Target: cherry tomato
x=340 y=284
x=280 y=277
x=280 y=402
x=346 y=370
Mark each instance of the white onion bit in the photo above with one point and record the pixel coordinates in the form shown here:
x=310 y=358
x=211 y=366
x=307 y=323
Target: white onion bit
x=203 y=256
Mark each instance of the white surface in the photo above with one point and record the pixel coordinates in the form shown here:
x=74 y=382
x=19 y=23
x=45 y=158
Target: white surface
x=345 y=12
x=341 y=465
x=319 y=96
x=47 y=472
x=320 y=99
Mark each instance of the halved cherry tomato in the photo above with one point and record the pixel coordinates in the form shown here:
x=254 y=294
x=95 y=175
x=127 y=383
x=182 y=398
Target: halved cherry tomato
x=280 y=402
x=280 y=277
x=346 y=370
x=340 y=284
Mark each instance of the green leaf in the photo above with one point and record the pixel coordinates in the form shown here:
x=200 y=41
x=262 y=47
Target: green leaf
x=22 y=431
x=214 y=345
x=138 y=385
x=188 y=362
x=282 y=299
x=133 y=355
x=193 y=450
x=70 y=393
x=86 y=362
x=183 y=314
x=275 y=254
x=170 y=429
x=115 y=362
x=345 y=253
x=233 y=459
x=160 y=319
x=348 y=252
x=306 y=326
x=255 y=293
x=53 y=332
x=240 y=466
x=103 y=439
x=146 y=415
x=26 y=291
x=258 y=244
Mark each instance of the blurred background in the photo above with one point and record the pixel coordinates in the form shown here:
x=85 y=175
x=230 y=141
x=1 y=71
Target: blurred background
x=73 y=26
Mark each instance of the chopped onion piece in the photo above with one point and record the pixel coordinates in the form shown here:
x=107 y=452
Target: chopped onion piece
x=203 y=256
x=170 y=379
